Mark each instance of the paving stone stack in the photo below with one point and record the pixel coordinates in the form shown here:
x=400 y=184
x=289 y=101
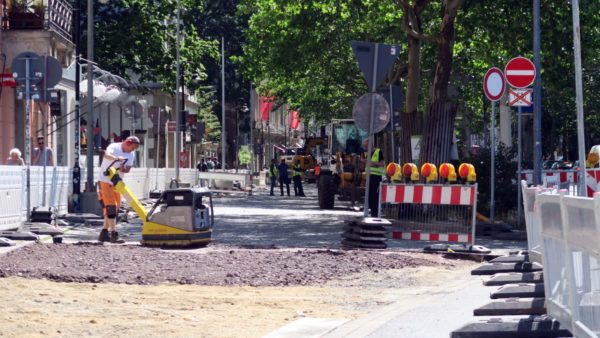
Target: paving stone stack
x=365 y=233
x=518 y=306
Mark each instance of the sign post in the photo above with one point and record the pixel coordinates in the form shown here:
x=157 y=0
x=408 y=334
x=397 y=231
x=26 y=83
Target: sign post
x=28 y=71
x=374 y=66
x=520 y=73
x=493 y=86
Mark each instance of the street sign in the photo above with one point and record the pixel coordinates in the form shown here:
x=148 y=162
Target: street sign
x=493 y=84
x=365 y=55
x=520 y=97
x=362 y=108
x=171 y=127
x=397 y=101
x=36 y=68
x=53 y=71
x=8 y=80
x=520 y=72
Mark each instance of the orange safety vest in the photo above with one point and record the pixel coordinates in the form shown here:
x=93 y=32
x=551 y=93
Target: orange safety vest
x=317 y=170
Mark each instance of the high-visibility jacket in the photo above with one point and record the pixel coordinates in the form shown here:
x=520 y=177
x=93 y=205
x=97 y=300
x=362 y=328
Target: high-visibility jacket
x=273 y=171
x=375 y=169
x=317 y=170
x=297 y=170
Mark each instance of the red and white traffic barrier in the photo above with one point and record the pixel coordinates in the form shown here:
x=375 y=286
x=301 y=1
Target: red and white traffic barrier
x=430 y=212
x=428 y=194
x=423 y=236
x=566 y=179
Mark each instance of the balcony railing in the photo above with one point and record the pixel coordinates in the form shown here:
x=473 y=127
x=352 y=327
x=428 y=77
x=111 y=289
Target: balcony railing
x=56 y=16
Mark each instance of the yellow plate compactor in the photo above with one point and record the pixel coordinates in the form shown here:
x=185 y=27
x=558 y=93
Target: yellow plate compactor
x=180 y=217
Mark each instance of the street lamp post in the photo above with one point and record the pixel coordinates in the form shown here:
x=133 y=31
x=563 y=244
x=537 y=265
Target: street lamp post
x=90 y=93
x=223 y=130
x=76 y=169
x=177 y=107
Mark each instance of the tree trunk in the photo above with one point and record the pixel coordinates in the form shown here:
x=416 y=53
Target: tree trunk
x=439 y=128
x=411 y=119
x=437 y=138
x=411 y=124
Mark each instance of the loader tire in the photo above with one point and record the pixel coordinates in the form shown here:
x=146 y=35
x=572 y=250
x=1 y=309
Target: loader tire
x=326 y=191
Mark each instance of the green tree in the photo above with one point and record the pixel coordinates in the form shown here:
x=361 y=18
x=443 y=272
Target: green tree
x=138 y=38
x=301 y=51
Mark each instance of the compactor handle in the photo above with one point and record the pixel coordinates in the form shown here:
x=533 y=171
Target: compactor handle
x=124 y=160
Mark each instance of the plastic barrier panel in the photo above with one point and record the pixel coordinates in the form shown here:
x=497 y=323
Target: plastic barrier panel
x=431 y=212
x=11 y=196
x=554 y=250
x=532 y=222
x=580 y=219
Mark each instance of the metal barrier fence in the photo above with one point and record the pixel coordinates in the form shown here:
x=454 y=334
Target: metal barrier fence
x=13 y=193
x=430 y=212
x=227 y=182
x=570 y=245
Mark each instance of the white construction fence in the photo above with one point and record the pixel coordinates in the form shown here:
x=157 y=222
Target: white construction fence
x=563 y=232
x=13 y=193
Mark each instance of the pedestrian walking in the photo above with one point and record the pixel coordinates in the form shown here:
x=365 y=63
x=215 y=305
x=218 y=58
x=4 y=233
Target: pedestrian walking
x=14 y=157
x=297 y=176
x=375 y=172
x=282 y=168
x=110 y=199
x=273 y=174
x=202 y=167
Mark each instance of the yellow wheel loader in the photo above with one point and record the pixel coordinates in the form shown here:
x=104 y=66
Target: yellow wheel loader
x=180 y=217
x=344 y=174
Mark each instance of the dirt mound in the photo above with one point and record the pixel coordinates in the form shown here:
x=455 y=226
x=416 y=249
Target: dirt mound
x=211 y=266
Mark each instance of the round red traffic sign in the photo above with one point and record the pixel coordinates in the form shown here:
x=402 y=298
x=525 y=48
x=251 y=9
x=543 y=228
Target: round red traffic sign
x=520 y=72
x=493 y=84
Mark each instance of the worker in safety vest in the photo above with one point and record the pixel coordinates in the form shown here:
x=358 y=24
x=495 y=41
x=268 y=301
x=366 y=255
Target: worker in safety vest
x=273 y=174
x=297 y=177
x=375 y=171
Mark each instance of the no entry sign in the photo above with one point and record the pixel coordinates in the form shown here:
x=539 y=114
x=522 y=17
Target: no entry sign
x=520 y=72
x=493 y=84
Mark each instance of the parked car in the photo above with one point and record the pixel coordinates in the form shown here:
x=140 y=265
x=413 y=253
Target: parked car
x=562 y=165
x=546 y=165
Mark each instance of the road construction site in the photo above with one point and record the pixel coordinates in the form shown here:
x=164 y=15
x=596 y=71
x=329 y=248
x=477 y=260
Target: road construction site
x=275 y=265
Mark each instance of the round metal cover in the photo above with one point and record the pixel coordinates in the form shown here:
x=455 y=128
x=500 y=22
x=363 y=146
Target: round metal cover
x=361 y=112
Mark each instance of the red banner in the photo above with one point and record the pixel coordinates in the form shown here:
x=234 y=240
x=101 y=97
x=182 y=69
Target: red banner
x=266 y=104
x=295 y=120
x=184 y=159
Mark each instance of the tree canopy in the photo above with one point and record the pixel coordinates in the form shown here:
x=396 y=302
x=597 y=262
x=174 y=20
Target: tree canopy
x=301 y=51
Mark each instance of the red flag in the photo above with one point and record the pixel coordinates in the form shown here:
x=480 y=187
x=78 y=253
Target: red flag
x=295 y=120
x=266 y=103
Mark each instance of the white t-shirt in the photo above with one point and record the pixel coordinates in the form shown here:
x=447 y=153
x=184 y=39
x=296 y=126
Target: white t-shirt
x=116 y=150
